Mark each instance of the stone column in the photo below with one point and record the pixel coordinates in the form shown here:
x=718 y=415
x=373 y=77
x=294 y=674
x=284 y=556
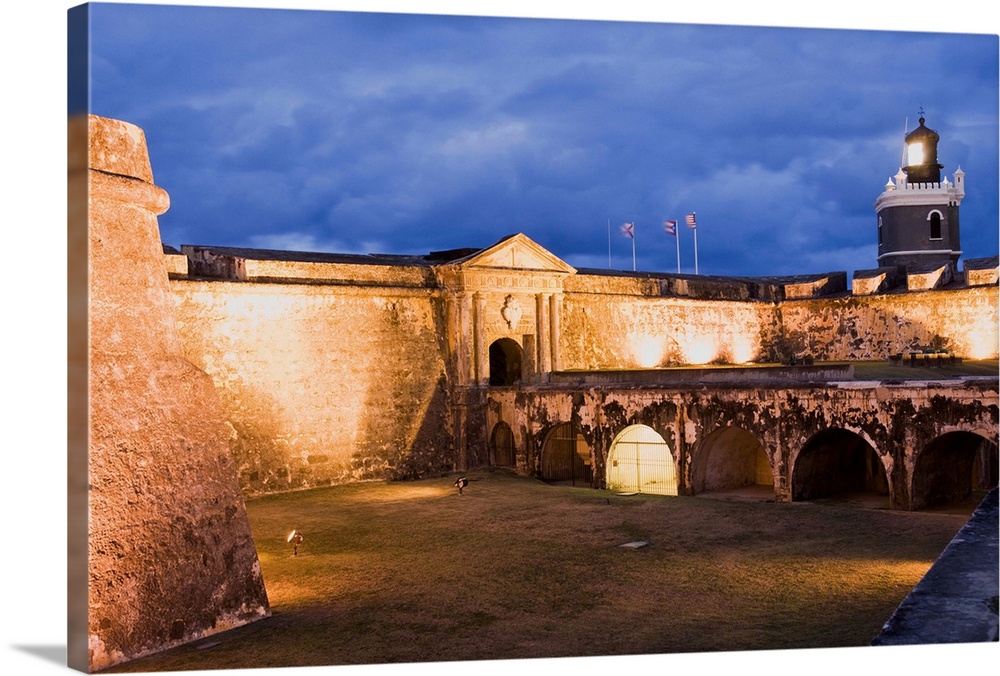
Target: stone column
x=170 y=557
x=542 y=340
x=555 y=308
x=463 y=335
x=481 y=350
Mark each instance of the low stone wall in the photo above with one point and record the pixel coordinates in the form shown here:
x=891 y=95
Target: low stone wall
x=956 y=601
x=707 y=375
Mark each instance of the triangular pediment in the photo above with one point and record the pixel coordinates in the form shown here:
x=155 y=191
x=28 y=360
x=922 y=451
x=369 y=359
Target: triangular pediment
x=516 y=252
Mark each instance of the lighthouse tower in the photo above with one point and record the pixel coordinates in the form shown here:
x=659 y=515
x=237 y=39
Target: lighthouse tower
x=918 y=211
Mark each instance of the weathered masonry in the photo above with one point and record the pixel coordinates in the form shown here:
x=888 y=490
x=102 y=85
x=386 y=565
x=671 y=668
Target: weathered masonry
x=342 y=368
x=916 y=444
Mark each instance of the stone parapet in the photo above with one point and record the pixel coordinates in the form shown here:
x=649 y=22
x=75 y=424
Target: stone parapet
x=928 y=277
x=956 y=601
x=982 y=271
x=878 y=280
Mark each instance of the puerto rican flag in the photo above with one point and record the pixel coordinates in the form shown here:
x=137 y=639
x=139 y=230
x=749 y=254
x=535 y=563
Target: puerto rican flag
x=670 y=227
x=689 y=219
x=628 y=229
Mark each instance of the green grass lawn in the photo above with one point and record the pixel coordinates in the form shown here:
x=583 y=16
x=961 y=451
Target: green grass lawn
x=413 y=572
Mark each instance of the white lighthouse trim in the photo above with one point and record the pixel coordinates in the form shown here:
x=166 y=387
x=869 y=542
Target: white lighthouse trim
x=900 y=192
x=929 y=252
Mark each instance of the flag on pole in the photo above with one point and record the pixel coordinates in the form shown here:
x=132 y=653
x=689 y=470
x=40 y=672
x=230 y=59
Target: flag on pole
x=690 y=221
x=670 y=227
x=628 y=229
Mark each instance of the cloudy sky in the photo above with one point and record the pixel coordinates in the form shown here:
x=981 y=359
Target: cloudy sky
x=405 y=133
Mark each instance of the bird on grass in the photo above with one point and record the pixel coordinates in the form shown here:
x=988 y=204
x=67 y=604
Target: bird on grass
x=461 y=483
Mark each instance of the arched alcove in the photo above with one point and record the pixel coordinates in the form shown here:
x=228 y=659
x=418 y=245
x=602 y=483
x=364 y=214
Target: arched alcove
x=502 y=444
x=730 y=458
x=640 y=460
x=566 y=456
x=838 y=462
x=954 y=468
x=506 y=357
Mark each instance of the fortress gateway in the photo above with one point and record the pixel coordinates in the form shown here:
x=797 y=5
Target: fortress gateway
x=218 y=373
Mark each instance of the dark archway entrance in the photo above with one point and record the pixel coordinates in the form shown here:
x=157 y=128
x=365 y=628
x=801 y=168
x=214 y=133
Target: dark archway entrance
x=505 y=362
x=566 y=456
x=838 y=462
x=731 y=458
x=956 y=467
x=502 y=442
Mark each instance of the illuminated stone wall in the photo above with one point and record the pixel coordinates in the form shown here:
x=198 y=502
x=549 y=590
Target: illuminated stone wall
x=169 y=556
x=602 y=331
x=963 y=320
x=323 y=384
x=625 y=323
x=360 y=374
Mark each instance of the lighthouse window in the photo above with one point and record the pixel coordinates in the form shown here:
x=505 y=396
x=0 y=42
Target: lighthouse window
x=935 y=219
x=880 y=231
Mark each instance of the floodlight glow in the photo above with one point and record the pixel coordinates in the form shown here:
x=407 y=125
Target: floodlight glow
x=701 y=351
x=647 y=350
x=915 y=154
x=743 y=350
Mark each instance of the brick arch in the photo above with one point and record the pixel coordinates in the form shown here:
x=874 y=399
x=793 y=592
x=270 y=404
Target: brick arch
x=730 y=457
x=838 y=461
x=954 y=467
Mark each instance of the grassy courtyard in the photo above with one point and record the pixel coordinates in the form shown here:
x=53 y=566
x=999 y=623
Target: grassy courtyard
x=413 y=572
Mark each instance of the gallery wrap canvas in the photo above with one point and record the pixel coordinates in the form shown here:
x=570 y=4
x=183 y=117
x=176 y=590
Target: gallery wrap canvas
x=424 y=338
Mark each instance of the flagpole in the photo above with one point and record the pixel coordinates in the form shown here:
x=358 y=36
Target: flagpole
x=633 y=247
x=677 y=242
x=696 y=251
x=609 y=244
x=693 y=224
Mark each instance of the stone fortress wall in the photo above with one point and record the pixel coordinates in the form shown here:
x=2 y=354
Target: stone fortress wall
x=337 y=372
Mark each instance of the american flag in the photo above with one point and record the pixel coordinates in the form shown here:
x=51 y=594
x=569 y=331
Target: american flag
x=671 y=227
x=627 y=230
x=689 y=219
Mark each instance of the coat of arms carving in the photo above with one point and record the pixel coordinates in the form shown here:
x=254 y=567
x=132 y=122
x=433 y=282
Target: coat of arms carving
x=511 y=312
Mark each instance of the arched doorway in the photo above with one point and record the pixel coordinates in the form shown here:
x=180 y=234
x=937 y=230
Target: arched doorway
x=505 y=362
x=731 y=458
x=954 y=468
x=640 y=460
x=502 y=442
x=566 y=456
x=838 y=462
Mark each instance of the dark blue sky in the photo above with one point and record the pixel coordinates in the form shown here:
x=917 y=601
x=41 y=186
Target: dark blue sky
x=381 y=132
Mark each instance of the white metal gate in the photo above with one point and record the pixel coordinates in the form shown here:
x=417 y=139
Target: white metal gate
x=640 y=461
